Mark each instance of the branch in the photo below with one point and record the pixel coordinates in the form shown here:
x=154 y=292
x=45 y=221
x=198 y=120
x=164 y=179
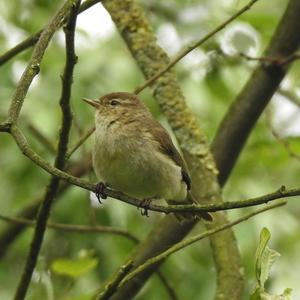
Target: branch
x=27 y=43
x=38 y=160
x=52 y=188
x=11 y=232
x=290 y=95
x=193 y=239
x=268 y=60
x=33 y=39
x=281 y=140
x=141 y=41
x=251 y=102
x=5 y=127
x=213 y=207
x=227 y=144
x=168 y=286
x=186 y=51
x=33 y=66
x=115 y=281
x=80 y=141
x=73 y=227
x=41 y=138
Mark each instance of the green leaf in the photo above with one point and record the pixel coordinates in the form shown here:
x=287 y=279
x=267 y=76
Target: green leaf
x=269 y=257
x=265 y=257
x=74 y=267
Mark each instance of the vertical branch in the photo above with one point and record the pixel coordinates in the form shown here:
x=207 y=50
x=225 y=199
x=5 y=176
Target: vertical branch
x=140 y=39
x=53 y=185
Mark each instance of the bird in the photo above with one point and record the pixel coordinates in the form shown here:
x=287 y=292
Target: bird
x=133 y=153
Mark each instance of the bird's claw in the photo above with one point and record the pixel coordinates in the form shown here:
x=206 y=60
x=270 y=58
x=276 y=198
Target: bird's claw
x=100 y=191
x=144 y=206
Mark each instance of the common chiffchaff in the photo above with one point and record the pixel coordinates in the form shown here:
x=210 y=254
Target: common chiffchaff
x=134 y=154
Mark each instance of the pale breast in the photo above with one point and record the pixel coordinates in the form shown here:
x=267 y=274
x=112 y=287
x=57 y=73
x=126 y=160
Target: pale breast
x=133 y=164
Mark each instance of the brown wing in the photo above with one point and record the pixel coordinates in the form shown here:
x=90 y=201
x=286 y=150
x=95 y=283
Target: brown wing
x=160 y=134
x=167 y=147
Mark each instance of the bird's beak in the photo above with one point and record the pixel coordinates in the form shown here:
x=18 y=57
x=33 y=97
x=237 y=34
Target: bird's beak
x=94 y=103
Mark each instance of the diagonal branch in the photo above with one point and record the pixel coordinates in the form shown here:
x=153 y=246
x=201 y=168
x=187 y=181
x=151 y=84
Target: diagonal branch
x=186 y=51
x=80 y=141
x=187 y=242
x=9 y=234
x=33 y=66
x=33 y=39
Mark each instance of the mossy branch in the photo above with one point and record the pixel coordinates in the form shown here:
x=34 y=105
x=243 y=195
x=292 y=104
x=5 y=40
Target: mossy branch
x=136 y=31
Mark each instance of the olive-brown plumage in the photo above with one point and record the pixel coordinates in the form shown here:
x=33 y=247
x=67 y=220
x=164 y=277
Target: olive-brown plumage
x=134 y=154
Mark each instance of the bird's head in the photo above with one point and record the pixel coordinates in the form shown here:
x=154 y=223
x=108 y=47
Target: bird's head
x=117 y=105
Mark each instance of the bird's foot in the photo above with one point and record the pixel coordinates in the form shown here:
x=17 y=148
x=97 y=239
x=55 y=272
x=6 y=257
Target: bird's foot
x=100 y=191
x=144 y=206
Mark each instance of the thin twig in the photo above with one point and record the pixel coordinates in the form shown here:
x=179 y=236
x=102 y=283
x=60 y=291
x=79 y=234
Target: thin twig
x=80 y=141
x=74 y=227
x=281 y=140
x=290 y=95
x=41 y=138
x=71 y=8
x=32 y=40
x=10 y=234
x=33 y=66
x=192 y=240
x=27 y=43
x=269 y=60
x=115 y=281
x=190 y=48
x=167 y=285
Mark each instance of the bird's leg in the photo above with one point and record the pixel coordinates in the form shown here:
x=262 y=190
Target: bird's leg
x=144 y=206
x=99 y=192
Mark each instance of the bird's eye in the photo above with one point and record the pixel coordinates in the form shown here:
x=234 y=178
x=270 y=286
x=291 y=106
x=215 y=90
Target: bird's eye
x=114 y=102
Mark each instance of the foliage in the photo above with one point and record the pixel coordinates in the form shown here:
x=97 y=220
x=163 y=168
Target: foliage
x=210 y=77
x=265 y=257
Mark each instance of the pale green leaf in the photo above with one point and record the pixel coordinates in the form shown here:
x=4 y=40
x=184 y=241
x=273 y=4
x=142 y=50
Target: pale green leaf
x=74 y=267
x=268 y=258
x=265 y=257
x=263 y=241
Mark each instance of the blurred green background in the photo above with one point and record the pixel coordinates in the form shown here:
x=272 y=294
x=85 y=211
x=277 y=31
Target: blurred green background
x=72 y=265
